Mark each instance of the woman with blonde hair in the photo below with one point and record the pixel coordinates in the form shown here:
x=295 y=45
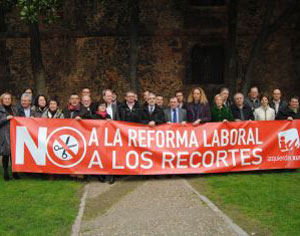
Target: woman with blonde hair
x=7 y=111
x=219 y=111
x=198 y=110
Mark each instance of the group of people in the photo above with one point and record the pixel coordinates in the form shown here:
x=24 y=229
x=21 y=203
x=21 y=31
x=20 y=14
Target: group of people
x=150 y=111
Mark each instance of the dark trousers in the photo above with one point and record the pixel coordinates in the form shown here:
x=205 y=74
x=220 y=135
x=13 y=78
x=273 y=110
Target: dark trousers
x=5 y=161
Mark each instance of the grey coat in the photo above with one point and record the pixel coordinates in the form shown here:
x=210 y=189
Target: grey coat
x=181 y=112
x=57 y=115
x=5 y=131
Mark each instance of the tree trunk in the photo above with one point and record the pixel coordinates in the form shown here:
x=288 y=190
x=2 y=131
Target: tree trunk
x=133 y=6
x=267 y=29
x=2 y=17
x=231 y=45
x=36 y=59
x=258 y=45
x=5 y=76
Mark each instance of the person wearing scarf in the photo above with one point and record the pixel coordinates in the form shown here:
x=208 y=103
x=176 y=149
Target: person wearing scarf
x=74 y=109
x=53 y=110
x=101 y=114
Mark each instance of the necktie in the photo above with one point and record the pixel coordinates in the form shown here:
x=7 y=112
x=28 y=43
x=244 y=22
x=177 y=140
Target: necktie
x=151 y=110
x=174 y=116
x=242 y=114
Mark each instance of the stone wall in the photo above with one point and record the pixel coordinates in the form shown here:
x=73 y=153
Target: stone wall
x=89 y=46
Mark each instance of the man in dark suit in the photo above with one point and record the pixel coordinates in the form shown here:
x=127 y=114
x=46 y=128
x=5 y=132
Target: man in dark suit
x=174 y=114
x=152 y=115
x=25 y=108
x=276 y=102
x=111 y=107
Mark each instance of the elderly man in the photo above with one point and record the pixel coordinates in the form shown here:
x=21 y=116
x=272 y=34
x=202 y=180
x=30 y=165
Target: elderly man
x=152 y=114
x=253 y=98
x=175 y=114
x=111 y=107
x=86 y=102
x=25 y=109
x=240 y=110
x=87 y=92
x=290 y=112
x=276 y=102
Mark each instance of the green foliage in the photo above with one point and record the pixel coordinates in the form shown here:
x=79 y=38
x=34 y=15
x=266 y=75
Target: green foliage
x=32 y=10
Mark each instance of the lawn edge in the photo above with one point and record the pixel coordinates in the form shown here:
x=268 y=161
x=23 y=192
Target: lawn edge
x=77 y=223
x=214 y=208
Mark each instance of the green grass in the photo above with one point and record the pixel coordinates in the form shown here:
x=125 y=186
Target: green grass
x=37 y=206
x=263 y=203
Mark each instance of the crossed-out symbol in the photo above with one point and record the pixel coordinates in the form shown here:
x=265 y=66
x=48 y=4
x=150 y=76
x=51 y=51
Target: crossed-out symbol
x=66 y=147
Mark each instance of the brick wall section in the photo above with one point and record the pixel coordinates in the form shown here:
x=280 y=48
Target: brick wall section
x=90 y=45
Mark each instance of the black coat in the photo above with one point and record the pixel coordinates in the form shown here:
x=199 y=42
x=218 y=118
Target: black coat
x=81 y=112
x=202 y=112
x=98 y=117
x=128 y=115
x=158 y=115
x=248 y=113
x=283 y=114
x=282 y=105
x=5 y=131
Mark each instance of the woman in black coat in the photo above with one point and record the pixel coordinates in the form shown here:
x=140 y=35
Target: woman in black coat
x=7 y=111
x=101 y=114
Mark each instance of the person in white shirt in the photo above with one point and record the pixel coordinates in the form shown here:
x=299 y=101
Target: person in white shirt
x=111 y=108
x=276 y=102
x=264 y=112
x=25 y=110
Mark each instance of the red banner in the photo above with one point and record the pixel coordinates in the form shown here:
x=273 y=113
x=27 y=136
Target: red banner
x=63 y=146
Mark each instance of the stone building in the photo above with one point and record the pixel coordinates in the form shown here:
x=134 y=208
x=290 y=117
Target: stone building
x=181 y=44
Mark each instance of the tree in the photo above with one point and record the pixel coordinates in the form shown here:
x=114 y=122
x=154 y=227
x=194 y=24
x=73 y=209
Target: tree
x=32 y=11
x=5 y=76
x=231 y=45
x=133 y=8
x=269 y=26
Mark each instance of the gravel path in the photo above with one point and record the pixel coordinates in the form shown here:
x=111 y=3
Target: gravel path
x=151 y=207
